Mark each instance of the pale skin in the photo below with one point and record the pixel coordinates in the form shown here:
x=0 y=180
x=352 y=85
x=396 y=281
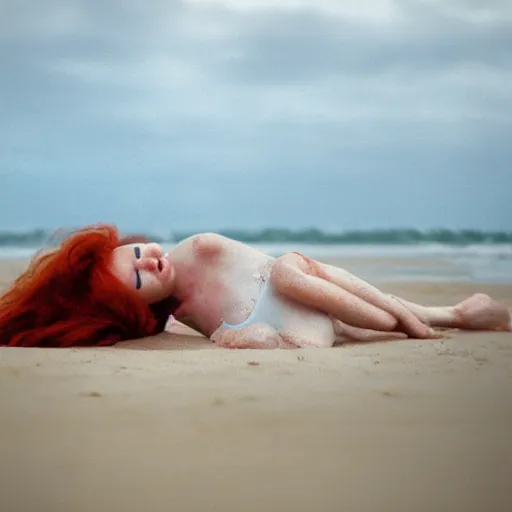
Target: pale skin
x=217 y=279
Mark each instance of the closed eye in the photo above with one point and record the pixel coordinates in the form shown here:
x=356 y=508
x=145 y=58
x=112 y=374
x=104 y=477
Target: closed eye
x=138 y=283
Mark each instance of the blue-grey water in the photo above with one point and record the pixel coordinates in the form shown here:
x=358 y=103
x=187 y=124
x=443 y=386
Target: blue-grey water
x=425 y=262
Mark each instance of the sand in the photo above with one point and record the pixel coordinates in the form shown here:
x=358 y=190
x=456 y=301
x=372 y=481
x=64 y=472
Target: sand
x=172 y=423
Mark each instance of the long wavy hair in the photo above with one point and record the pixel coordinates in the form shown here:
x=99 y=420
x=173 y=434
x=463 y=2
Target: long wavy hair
x=68 y=297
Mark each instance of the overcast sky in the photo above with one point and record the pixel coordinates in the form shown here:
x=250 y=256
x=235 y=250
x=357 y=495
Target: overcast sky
x=203 y=114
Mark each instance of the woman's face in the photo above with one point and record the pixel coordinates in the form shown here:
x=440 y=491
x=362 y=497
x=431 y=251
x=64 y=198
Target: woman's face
x=145 y=269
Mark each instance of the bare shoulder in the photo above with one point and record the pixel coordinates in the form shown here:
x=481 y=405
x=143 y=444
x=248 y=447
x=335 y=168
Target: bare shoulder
x=207 y=245
x=203 y=248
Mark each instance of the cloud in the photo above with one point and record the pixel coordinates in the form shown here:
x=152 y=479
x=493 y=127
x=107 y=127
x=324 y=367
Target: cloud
x=302 y=46
x=140 y=96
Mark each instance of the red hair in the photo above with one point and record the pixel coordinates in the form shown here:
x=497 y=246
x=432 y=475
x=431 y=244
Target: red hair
x=68 y=297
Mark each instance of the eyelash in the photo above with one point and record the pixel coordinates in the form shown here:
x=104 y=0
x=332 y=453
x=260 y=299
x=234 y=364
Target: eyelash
x=138 y=284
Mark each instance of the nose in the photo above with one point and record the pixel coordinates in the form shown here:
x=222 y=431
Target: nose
x=146 y=263
x=153 y=250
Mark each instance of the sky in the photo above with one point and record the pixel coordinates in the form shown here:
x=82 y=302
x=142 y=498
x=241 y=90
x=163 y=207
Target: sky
x=176 y=115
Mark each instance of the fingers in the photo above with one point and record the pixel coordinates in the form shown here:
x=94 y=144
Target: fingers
x=359 y=334
x=412 y=325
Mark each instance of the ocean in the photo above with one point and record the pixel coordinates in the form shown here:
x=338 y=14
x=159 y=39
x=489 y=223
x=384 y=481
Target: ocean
x=480 y=263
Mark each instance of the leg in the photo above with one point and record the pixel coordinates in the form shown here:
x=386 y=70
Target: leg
x=303 y=280
x=345 y=332
x=411 y=323
x=344 y=296
x=476 y=312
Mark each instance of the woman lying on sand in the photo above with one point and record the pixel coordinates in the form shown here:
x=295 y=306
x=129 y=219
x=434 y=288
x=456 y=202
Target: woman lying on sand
x=97 y=289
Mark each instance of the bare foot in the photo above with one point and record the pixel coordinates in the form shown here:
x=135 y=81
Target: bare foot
x=483 y=313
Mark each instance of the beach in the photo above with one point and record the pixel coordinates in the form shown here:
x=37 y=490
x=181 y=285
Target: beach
x=173 y=423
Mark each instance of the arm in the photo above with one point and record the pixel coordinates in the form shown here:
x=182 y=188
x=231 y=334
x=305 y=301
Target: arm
x=343 y=295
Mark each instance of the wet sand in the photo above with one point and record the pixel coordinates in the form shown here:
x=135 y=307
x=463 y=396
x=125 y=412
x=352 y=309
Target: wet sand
x=172 y=423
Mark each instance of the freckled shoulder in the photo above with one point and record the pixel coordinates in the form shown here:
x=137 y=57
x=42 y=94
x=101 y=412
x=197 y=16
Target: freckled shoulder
x=208 y=245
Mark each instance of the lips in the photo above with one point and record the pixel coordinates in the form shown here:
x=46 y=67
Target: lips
x=164 y=268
